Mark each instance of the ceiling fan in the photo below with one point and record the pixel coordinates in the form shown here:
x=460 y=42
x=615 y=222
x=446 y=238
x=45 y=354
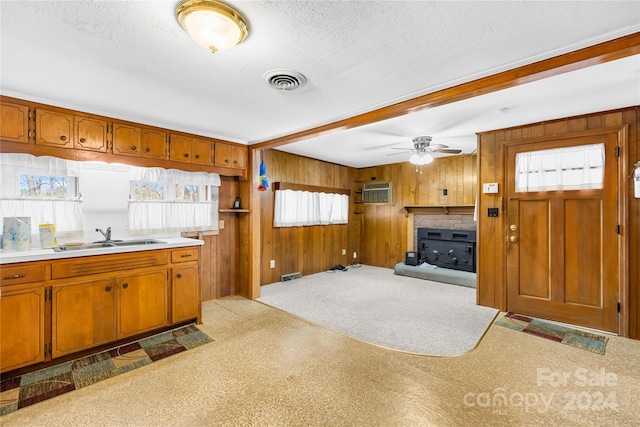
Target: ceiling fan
x=422 y=147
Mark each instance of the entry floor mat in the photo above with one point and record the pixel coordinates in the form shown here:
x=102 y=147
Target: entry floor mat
x=574 y=337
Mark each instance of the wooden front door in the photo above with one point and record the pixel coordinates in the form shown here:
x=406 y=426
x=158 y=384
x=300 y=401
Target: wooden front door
x=562 y=246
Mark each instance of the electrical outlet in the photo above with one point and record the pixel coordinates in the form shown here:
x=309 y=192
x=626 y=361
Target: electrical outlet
x=272 y=263
x=344 y=252
x=355 y=255
x=221 y=224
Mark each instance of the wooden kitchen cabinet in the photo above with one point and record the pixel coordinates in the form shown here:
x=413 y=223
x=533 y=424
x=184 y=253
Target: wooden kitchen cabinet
x=187 y=149
x=54 y=128
x=154 y=143
x=126 y=139
x=142 y=302
x=230 y=156
x=83 y=315
x=90 y=134
x=185 y=286
x=14 y=122
x=22 y=325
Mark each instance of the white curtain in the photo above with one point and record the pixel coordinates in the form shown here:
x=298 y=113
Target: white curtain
x=66 y=214
x=570 y=168
x=299 y=208
x=168 y=216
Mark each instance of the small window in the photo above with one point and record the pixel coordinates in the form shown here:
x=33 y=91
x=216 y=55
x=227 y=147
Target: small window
x=43 y=186
x=142 y=190
x=570 y=168
x=187 y=193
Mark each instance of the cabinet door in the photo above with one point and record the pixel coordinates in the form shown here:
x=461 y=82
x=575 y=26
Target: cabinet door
x=239 y=157
x=180 y=148
x=126 y=139
x=142 y=302
x=83 y=315
x=21 y=326
x=90 y=134
x=185 y=300
x=154 y=144
x=14 y=122
x=54 y=128
x=201 y=152
x=223 y=155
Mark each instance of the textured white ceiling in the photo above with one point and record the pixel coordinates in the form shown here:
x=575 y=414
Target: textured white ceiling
x=132 y=60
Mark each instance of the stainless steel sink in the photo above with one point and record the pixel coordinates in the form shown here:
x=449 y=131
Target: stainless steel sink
x=136 y=242
x=111 y=244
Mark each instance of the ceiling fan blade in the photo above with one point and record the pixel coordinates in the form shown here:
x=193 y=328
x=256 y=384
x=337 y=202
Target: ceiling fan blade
x=405 y=149
x=449 y=151
x=437 y=146
x=395 y=154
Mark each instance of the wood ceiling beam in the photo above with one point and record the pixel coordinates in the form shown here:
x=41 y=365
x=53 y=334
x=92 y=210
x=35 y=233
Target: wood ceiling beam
x=593 y=55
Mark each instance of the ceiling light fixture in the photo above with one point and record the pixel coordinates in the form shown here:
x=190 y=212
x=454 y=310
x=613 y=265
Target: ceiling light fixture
x=212 y=24
x=421 y=159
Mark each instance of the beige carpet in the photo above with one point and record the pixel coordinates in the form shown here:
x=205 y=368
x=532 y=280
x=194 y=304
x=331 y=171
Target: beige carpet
x=268 y=368
x=375 y=305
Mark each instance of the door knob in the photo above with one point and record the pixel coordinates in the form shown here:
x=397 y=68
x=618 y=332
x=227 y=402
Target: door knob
x=513 y=239
x=513 y=227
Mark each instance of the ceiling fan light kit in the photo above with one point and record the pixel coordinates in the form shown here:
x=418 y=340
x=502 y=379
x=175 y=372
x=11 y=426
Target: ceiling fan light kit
x=212 y=24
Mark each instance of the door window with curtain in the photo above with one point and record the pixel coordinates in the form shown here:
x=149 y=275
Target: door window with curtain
x=570 y=168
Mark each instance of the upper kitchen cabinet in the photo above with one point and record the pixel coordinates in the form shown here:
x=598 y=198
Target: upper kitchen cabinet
x=154 y=143
x=90 y=134
x=187 y=149
x=54 y=128
x=59 y=128
x=138 y=141
x=126 y=139
x=230 y=156
x=14 y=122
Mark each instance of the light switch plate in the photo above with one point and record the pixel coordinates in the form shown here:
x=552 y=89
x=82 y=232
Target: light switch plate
x=490 y=188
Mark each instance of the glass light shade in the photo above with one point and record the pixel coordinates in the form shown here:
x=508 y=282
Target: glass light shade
x=211 y=24
x=421 y=159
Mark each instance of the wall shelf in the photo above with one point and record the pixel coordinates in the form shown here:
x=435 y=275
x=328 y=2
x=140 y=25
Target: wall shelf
x=234 y=210
x=439 y=210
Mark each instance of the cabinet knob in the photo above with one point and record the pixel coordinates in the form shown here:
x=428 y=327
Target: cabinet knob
x=197 y=156
x=226 y=160
x=63 y=138
x=147 y=149
x=186 y=154
x=235 y=162
x=108 y=289
x=125 y=285
x=179 y=276
x=134 y=148
x=83 y=140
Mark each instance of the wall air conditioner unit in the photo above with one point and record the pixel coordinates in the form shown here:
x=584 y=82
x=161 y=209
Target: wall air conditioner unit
x=378 y=192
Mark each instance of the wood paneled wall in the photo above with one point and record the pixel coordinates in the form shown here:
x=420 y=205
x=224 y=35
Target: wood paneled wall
x=222 y=263
x=310 y=249
x=384 y=230
x=491 y=246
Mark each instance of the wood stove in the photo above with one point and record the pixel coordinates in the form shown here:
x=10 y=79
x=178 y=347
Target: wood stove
x=455 y=249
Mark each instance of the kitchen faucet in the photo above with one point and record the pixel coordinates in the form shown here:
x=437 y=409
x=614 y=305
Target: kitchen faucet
x=107 y=234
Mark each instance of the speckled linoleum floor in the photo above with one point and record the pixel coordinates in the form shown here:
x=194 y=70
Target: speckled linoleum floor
x=269 y=368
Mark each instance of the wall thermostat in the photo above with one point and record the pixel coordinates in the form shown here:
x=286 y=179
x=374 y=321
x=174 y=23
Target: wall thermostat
x=490 y=188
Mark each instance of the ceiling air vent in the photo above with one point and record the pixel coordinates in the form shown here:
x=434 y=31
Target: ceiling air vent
x=284 y=80
x=380 y=192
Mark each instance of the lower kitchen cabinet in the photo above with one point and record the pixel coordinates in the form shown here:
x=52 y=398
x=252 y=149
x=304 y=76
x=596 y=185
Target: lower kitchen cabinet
x=51 y=309
x=22 y=325
x=83 y=315
x=185 y=302
x=142 y=303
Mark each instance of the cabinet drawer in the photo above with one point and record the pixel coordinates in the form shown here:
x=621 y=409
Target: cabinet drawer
x=23 y=274
x=107 y=263
x=183 y=255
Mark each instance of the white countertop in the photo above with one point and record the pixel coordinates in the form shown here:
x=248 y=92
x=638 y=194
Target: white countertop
x=49 y=254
